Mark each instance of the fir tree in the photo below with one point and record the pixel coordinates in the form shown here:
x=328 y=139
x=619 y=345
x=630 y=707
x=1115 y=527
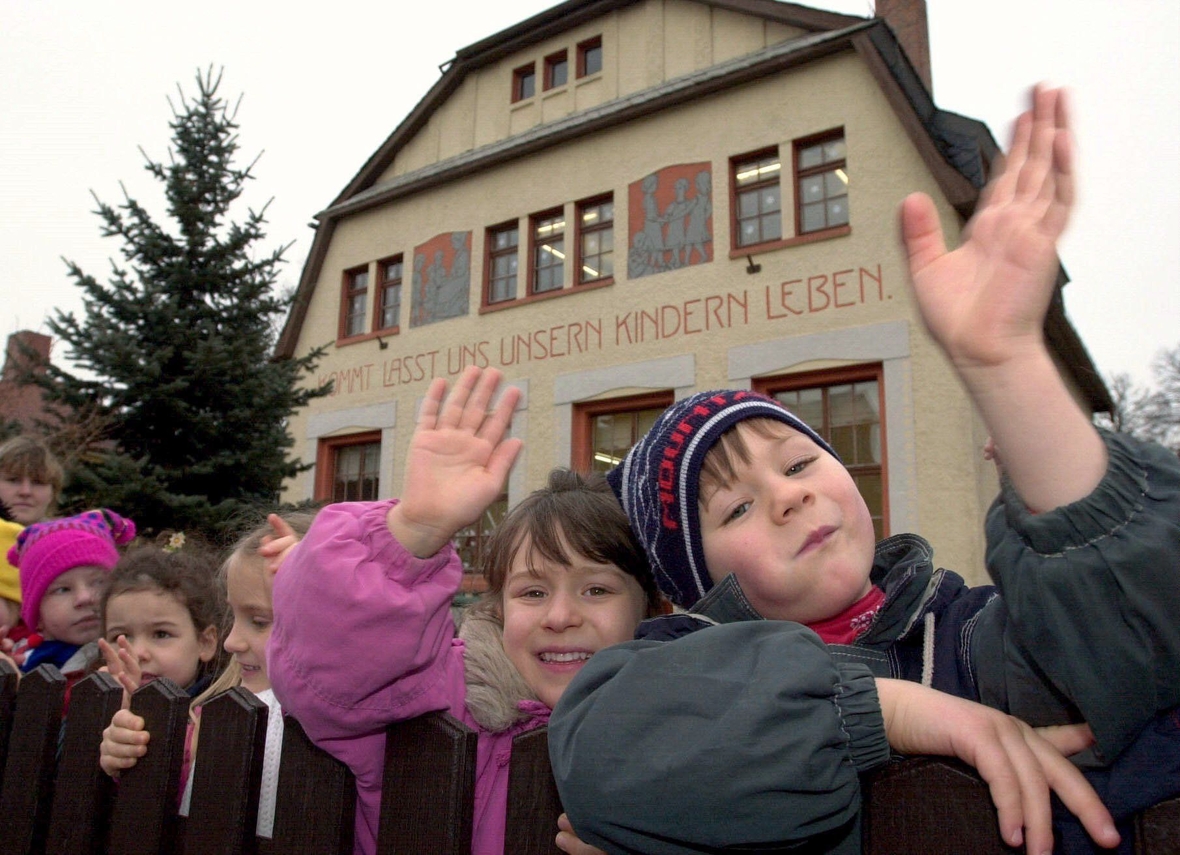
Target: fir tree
x=173 y=353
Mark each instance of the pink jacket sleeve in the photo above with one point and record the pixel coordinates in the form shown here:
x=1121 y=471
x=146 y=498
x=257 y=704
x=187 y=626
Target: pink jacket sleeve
x=363 y=631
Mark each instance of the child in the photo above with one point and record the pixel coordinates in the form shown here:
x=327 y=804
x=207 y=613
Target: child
x=565 y=577
x=747 y=514
x=30 y=479
x=566 y=581
x=64 y=565
x=9 y=579
x=248 y=591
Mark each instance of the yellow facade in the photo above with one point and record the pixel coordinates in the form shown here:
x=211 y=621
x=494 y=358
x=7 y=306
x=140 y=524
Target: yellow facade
x=836 y=301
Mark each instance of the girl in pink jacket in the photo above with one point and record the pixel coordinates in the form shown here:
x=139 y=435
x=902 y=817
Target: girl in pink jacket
x=363 y=632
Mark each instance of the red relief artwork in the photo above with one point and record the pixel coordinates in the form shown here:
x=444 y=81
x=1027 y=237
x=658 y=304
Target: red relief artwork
x=671 y=219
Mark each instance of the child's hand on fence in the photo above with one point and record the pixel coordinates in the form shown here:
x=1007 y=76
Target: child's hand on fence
x=123 y=665
x=8 y=649
x=458 y=461
x=567 y=841
x=1020 y=766
x=123 y=742
x=276 y=546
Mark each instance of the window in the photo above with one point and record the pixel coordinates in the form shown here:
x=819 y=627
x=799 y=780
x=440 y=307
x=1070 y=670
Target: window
x=822 y=181
x=347 y=468
x=590 y=57
x=557 y=70
x=389 y=294
x=472 y=541
x=548 y=269
x=604 y=431
x=844 y=407
x=596 y=239
x=356 y=298
x=524 y=82
x=502 y=261
x=757 y=198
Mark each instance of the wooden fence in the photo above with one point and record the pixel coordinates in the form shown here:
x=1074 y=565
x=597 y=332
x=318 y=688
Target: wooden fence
x=55 y=799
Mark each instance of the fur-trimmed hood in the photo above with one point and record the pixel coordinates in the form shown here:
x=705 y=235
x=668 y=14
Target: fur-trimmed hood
x=495 y=689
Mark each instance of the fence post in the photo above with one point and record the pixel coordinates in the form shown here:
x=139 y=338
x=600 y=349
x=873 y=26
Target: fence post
x=315 y=807
x=224 y=809
x=428 y=798
x=29 y=767
x=533 y=802
x=9 y=679
x=143 y=821
x=82 y=797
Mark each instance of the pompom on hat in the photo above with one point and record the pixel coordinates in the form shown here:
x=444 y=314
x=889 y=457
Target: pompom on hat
x=658 y=482
x=45 y=550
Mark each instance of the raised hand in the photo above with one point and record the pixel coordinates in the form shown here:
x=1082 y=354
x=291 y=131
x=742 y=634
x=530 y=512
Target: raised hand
x=987 y=300
x=458 y=461
x=124 y=741
x=1019 y=764
x=276 y=546
x=123 y=665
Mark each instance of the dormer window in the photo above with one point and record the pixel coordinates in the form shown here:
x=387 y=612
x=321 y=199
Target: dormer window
x=557 y=70
x=524 y=82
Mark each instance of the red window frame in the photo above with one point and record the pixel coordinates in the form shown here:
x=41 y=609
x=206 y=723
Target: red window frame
x=604 y=228
x=553 y=63
x=547 y=251
x=582 y=439
x=327 y=457
x=524 y=82
x=352 y=294
x=760 y=159
x=492 y=253
x=585 y=48
x=835 y=166
x=389 y=293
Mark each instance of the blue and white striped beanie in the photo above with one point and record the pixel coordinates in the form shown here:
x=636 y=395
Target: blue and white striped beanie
x=658 y=482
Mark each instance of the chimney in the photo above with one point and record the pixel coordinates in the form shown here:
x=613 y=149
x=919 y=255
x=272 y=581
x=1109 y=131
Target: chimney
x=18 y=343
x=907 y=18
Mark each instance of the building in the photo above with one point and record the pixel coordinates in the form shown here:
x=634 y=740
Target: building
x=23 y=403
x=621 y=202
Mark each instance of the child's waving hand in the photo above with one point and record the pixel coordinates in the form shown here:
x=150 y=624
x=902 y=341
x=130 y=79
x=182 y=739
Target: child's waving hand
x=458 y=461
x=988 y=298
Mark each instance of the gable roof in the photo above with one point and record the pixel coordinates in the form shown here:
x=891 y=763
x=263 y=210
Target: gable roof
x=957 y=150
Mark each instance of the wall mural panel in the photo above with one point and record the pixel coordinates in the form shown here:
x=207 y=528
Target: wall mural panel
x=671 y=219
x=441 y=283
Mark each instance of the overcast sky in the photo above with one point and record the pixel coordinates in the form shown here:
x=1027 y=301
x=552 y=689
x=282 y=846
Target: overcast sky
x=83 y=85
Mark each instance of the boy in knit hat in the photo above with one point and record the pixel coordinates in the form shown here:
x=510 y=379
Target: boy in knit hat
x=748 y=516
x=63 y=566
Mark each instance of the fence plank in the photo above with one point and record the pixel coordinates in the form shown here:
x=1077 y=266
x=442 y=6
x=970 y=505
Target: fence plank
x=427 y=802
x=29 y=767
x=533 y=801
x=82 y=796
x=9 y=679
x=941 y=803
x=315 y=806
x=143 y=821
x=224 y=810
x=1157 y=829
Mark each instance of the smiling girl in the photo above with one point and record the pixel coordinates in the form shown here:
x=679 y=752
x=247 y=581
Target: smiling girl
x=363 y=632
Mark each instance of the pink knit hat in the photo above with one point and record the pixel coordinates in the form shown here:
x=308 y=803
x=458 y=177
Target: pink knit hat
x=45 y=550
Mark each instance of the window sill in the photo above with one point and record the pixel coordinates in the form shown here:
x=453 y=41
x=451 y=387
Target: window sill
x=547 y=295
x=799 y=240
x=369 y=336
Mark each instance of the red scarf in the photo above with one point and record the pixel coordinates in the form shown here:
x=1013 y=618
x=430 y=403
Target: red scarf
x=851 y=623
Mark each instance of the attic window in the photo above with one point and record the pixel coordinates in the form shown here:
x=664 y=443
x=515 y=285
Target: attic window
x=590 y=57
x=557 y=70
x=524 y=82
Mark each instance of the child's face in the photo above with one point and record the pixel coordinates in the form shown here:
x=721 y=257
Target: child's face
x=161 y=633
x=792 y=527
x=69 y=609
x=249 y=598
x=558 y=616
x=27 y=498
